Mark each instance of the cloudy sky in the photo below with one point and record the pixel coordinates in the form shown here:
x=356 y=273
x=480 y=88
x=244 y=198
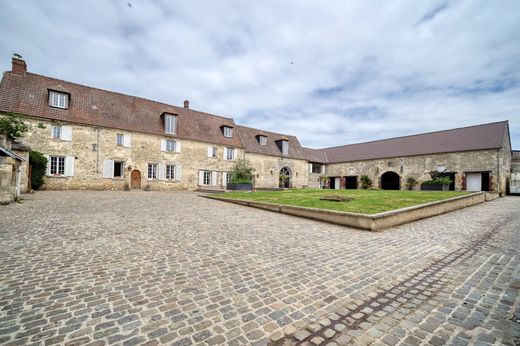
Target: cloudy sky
x=330 y=72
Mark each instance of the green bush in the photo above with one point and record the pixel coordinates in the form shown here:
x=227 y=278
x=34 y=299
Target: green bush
x=12 y=126
x=39 y=167
x=366 y=182
x=410 y=183
x=241 y=173
x=438 y=181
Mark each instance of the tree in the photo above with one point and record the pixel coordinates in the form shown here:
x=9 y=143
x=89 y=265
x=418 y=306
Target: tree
x=241 y=172
x=12 y=126
x=39 y=166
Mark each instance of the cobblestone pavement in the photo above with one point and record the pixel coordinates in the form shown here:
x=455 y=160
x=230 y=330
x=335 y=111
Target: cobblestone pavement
x=128 y=268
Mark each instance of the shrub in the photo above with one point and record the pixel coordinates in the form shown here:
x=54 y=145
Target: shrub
x=38 y=163
x=366 y=182
x=241 y=172
x=410 y=183
x=12 y=126
x=438 y=181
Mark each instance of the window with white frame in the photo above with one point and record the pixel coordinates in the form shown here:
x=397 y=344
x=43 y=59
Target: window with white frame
x=152 y=171
x=58 y=100
x=56 y=132
x=170 y=145
x=170 y=172
x=57 y=165
x=170 y=123
x=206 y=178
x=214 y=151
x=230 y=154
x=262 y=140
x=228 y=131
x=120 y=139
x=119 y=169
x=285 y=147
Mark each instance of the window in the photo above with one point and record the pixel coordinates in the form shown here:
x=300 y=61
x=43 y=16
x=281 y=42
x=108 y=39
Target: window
x=228 y=131
x=57 y=165
x=170 y=172
x=285 y=147
x=316 y=168
x=262 y=140
x=119 y=169
x=230 y=154
x=206 y=178
x=214 y=151
x=56 y=132
x=170 y=145
x=120 y=139
x=170 y=124
x=152 y=171
x=58 y=100
x=228 y=178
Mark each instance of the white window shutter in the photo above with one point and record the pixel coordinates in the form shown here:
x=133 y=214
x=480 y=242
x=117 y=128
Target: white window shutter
x=234 y=154
x=127 y=141
x=66 y=133
x=163 y=144
x=201 y=177
x=322 y=169
x=108 y=169
x=224 y=179
x=310 y=167
x=178 y=146
x=178 y=173
x=161 y=174
x=69 y=166
x=213 y=178
x=210 y=151
x=48 y=164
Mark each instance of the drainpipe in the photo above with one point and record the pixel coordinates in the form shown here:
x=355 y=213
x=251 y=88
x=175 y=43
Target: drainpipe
x=97 y=149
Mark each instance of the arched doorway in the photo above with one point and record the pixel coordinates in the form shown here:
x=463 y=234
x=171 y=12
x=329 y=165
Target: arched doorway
x=390 y=181
x=285 y=178
x=135 y=179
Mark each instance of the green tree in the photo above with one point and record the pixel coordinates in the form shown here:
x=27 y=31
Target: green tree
x=39 y=167
x=12 y=126
x=241 y=172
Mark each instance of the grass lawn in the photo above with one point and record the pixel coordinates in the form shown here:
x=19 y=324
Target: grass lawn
x=364 y=201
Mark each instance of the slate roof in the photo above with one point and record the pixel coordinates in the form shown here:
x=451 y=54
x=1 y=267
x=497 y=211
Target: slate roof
x=28 y=94
x=315 y=155
x=6 y=152
x=251 y=144
x=478 y=137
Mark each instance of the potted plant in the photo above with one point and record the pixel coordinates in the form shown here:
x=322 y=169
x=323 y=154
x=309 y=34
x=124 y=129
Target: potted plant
x=366 y=182
x=241 y=176
x=326 y=181
x=410 y=183
x=438 y=182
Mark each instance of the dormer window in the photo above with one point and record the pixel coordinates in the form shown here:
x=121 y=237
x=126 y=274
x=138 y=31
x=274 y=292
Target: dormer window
x=228 y=131
x=262 y=140
x=58 y=100
x=170 y=124
x=285 y=147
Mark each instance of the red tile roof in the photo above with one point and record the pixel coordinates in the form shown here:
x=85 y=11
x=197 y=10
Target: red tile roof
x=478 y=137
x=28 y=95
x=251 y=144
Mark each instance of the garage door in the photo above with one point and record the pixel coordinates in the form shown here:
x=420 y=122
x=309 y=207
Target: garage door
x=473 y=181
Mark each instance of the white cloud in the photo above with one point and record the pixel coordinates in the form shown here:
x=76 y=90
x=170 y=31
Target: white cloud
x=331 y=73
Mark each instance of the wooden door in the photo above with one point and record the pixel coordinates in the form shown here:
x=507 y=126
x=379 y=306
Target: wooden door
x=136 y=179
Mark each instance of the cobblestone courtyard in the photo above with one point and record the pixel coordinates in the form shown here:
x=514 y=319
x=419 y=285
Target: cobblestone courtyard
x=127 y=268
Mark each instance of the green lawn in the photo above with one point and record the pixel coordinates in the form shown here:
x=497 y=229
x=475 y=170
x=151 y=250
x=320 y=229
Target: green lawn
x=364 y=201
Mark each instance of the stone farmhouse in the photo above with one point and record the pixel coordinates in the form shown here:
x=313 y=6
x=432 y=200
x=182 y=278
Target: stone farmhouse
x=99 y=139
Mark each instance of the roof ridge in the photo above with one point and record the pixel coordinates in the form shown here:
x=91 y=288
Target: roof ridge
x=128 y=95
x=415 y=135
x=276 y=133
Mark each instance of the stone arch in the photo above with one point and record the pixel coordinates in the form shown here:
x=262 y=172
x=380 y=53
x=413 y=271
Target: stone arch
x=285 y=178
x=390 y=181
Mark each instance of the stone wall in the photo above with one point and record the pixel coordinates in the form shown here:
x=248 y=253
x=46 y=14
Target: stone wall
x=267 y=170
x=91 y=146
x=418 y=167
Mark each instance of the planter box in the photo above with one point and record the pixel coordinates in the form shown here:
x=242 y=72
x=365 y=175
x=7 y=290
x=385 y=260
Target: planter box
x=435 y=187
x=239 y=187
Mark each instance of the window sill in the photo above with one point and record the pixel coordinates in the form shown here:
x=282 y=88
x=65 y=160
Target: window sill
x=57 y=176
x=62 y=108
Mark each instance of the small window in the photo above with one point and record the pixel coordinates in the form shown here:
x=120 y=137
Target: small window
x=57 y=165
x=214 y=152
x=262 y=140
x=170 y=172
x=316 y=168
x=120 y=139
x=119 y=169
x=56 y=132
x=230 y=154
x=206 y=178
x=152 y=171
x=228 y=178
x=285 y=147
x=58 y=100
x=170 y=145
x=170 y=124
x=228 y=131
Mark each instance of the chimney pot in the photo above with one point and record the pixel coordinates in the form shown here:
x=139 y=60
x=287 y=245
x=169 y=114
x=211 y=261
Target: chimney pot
x=19 y=66
x=186 y=104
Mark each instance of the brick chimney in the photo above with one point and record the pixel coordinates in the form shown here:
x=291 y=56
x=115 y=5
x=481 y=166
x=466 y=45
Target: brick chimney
x=186 y=104
x=19 y=66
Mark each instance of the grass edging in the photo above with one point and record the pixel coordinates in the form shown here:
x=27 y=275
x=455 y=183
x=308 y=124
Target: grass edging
x=372 y=222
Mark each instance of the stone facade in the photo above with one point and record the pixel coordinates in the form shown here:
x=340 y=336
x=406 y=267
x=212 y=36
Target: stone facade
x=91 y=146
x=267 y=170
